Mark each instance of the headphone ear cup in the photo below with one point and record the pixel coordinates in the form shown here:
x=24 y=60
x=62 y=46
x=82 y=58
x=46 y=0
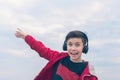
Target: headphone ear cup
x=85 y=49
x=65 y=46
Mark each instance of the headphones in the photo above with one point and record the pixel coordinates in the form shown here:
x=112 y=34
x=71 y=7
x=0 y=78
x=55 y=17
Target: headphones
x=83 y=36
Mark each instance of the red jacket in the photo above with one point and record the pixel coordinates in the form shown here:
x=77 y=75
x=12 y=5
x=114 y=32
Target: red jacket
x=54 y=56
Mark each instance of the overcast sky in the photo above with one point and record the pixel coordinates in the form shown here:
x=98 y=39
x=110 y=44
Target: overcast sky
x=50 y=21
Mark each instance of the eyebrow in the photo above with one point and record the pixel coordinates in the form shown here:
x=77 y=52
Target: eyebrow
x=75 y=42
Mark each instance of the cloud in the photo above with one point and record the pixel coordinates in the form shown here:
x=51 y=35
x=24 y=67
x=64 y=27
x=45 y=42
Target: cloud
x=17 y=4
x=15 y=52
x=116 y=59
x=15 y=11
x=103 y=42
x=77 y=15
x=52 y=20
x=58 y=16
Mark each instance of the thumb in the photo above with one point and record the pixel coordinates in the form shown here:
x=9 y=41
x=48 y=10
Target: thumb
x=19 y=29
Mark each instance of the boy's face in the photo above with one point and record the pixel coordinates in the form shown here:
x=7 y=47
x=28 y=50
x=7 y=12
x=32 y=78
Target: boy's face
x=74 y=48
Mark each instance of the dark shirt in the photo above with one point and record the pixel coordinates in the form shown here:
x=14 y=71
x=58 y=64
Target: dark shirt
x=68 y=66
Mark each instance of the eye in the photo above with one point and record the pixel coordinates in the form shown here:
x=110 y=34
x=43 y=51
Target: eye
x=69 y=44
x=77 y=44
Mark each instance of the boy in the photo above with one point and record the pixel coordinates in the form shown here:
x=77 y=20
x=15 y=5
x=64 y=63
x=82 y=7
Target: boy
x=66 y=65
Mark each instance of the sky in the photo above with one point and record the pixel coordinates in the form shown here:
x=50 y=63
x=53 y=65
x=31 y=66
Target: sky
x=49 y=21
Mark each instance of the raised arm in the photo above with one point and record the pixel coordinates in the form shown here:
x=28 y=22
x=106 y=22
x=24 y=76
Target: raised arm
x=36 y=45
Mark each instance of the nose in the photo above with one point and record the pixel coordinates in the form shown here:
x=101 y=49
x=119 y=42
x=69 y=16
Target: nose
x=73 y=47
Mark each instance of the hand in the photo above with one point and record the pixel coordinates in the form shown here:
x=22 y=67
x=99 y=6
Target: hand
x=20 y=34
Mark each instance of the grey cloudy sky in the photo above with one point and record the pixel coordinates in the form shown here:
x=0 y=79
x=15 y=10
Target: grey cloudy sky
x=50 y=21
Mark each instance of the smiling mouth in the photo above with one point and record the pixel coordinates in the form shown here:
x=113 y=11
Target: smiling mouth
x=73 y=53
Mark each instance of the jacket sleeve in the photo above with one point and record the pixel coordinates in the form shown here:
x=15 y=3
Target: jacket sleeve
x=40 y=48
x=89 y=73
x=92 y=73
x=91 y=77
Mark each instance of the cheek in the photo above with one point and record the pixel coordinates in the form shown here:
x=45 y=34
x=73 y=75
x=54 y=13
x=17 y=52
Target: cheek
x=80 y=49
